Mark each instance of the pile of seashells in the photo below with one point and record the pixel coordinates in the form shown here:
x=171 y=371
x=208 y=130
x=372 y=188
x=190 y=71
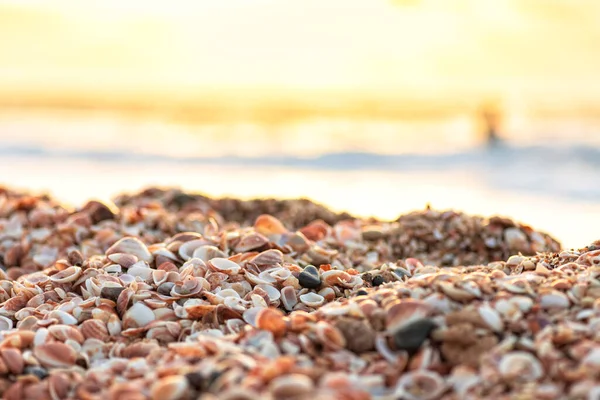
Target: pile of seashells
x=166 y=295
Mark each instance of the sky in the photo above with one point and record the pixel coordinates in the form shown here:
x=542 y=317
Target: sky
x=536 y=48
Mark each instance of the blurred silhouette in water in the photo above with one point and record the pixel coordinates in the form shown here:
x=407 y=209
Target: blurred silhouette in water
x=491 y=117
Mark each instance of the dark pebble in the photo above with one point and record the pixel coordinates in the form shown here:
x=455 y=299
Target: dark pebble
x=40 y=372
x=412 y=336
x=309 y=278
x=111 y=292
x=378 y=280
x=200 y=382
x=362 y=292
x=165 y=288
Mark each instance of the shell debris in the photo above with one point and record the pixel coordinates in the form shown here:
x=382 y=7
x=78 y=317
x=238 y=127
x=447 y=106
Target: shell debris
x=170 y=295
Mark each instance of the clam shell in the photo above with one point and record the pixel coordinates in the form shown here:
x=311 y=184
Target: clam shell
x=138 y=316
x=207 y=252
x=250 y=242
x=420 y=385
x=224 y=265
x=271 y=291
x=172 y=387
x=312 y=299
x=400 y=313
x=131 y=245
x=289 y=298
x=94 y=328
x=293 y=385
x=268 y=225
x=55 y=355
x=5 y=324
x=63 y=317
x=520 y=366
x=65 y=332
x=187 y=249
x=70 y=274
x=268 y=257
x=123 y=259
x=491 y=317
x=272 y=320
x=13 y=360
x=554 y=300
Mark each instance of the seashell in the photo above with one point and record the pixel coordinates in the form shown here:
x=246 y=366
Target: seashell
x=318 y=255
x=250 y=242
x=5 y=324
x=329 y=336
x=271 y=291
x=173 y=387
x=141 y=270
x=224 y=265
x=312 y=299
x=289 y=298
x=266 y=276
x=310 y=279
x=35 y=279
x=297 y=241
x=456 y=293
x=113 y=325
x=250 y=315
x=328 y=293
x=268 y=257
x=517 y=286
x=64 y=332
x=207 y=252
x=138 y=316
x=187 y=249
x=420 y=385
x=197 y=311
x=45 y=256
x=55 y=355
x=491 y=318
x=280 y=275
x=62 y=317
x=70 y=274
x=520 y=366
x=270 y=319
x=13 y=359
x=316 y=230
x=268 y=225
x=94 y=328
x=190 y=287
x=554 y=300
x=131 y=245
x=123 y=259
x=400 y=313
x=228 y=293
x=291 y=386
x=124 y=299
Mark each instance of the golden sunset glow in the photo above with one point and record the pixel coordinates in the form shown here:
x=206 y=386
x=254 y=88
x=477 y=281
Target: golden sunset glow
x=238 y=51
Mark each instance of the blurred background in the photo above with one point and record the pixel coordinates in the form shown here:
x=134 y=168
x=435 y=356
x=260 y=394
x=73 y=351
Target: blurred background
x=376 y=107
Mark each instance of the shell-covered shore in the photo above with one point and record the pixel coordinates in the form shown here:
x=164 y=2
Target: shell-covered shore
x=169 y=295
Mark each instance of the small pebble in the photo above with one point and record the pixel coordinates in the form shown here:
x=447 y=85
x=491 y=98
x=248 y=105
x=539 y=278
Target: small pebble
x=111 y=292
x=165 y=288
x=309 y=278
x=412 y=336
x=40 y=372
x=378 y=280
